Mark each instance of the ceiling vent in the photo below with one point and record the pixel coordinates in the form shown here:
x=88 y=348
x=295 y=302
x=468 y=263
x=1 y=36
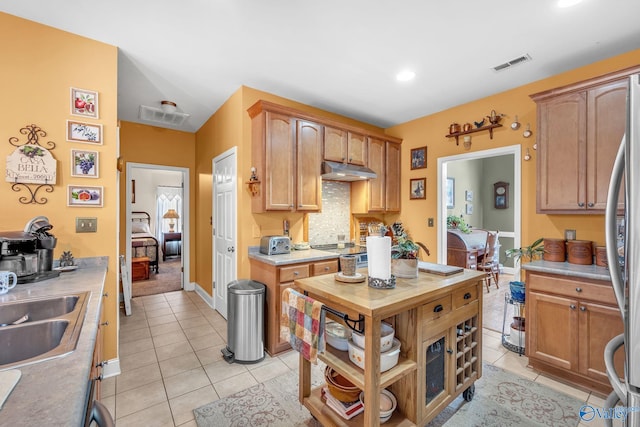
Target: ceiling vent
x=164 y=116
x=509 y=64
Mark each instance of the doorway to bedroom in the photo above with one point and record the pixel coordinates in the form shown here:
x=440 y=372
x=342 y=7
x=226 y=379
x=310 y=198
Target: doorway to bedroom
x=157 y=248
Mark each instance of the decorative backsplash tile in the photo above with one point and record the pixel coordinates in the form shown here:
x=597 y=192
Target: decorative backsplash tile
x=335 y=218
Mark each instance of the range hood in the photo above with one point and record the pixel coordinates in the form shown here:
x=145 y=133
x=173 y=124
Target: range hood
x=335 y=171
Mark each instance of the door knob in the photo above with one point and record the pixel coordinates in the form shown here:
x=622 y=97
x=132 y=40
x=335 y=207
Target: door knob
x=231 y=249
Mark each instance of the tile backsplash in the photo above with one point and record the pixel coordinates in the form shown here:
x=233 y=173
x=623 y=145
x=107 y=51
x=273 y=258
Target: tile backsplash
x=335 y=217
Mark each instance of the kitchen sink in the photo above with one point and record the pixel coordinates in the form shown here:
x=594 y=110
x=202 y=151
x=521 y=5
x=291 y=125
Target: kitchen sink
x=52 y=329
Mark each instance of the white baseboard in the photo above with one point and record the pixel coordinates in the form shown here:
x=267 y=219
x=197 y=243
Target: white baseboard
x=190 y=286
x=111 y=369
x=204 y=295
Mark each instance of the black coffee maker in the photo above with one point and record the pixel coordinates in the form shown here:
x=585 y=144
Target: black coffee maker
x=39 y=227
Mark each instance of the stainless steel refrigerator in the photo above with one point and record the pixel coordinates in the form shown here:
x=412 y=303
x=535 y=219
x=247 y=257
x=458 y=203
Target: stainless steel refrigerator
x=626 y=257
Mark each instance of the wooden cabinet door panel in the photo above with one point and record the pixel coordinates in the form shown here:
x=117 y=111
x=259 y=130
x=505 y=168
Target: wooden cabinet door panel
x=309 y=183
x=357 y=149
x=376 y=161
x=392 y=176
x=598 y=325
x=335 y=144
x=562 y=151
x=606 y=121
x=552 y=324
x=279 y=162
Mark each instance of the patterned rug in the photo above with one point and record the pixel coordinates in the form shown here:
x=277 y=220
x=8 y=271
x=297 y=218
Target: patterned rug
x=501 y=399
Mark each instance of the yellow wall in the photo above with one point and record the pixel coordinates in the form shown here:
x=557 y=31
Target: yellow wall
x=158 y=146
x=431 y=131
x=39 y=66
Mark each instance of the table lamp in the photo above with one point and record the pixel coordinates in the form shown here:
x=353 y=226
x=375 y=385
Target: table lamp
x=171 y=214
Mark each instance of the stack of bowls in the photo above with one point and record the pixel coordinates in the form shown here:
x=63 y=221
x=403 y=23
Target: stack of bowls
x=340 y=387
x=388 y=404
x=388 y=359
x=386 y=337
x=337 y=335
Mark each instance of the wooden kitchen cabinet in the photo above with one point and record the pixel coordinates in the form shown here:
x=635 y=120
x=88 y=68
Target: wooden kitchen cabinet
x=579 y=131
x=381 y=194
x=344 y=147
x=569 y=323
x=287 y=156
x=277 y=279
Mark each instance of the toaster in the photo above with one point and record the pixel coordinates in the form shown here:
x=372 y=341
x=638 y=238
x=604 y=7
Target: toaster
x=275 y=245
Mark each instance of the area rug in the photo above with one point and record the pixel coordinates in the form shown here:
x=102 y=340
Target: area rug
x=501 y=399
x=168 y=279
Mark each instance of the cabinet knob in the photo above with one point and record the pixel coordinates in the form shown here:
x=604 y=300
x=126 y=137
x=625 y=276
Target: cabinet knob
x=106 y=294
x=104 y=323
x=467 y=295
x=326 y=268
x=590 y=204
x=295 y=273
x=583 y=308
x=581 y=204
x=103 y=363
x=449 y=351
x=572 y=306
x=98 y=378
x=578 y=289
x=438 y=308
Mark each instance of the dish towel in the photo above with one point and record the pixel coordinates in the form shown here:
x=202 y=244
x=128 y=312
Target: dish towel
x=302 y=324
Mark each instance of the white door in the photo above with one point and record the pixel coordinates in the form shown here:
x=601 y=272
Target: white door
x=224 y=227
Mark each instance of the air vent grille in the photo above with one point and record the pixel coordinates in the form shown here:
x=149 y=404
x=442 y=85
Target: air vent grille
x=156 y=115
x=516 y=61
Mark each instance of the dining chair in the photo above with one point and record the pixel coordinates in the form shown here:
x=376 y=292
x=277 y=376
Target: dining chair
x=489 y=262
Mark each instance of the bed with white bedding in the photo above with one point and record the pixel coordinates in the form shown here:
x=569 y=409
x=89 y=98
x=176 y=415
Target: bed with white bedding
x=143 y=243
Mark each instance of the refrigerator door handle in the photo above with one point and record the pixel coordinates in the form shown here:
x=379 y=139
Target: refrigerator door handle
x=614 y=378
x=610 y=227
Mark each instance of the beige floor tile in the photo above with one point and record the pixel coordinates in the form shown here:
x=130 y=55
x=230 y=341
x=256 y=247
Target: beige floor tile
x=210 y=355
x=182 y=315
x=222 y=370
x=177 y=365
x=191 y=423
x=489 y=355
x=132 y=326
x=167 y=318
x=176 y=295
x=182 y=406
x=140 y=398
x=110 y=403
x=291 y=359
x=179 y=305
x=185 y=382
x=204 y=341
x=128 y=380
x=561 y=387
x=135 y=335
x=152 y=299
x=173 y=350
x=518 y=364
x=108 y=387
x=193 y=322
x=137 y=315
x=137 y=346
x=158 y=312
x=270 y=370
x=199 y=331
x=169 y=338
x=134 y=361
x=165 y=328
x=238 y=383
x=157 y=415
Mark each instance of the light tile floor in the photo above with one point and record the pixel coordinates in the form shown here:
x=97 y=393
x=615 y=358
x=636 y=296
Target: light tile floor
x=171 y=362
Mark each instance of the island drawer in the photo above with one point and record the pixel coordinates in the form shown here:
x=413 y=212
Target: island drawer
x=291 y=273
x=574 y=288
x=435 y=312
x=324 y=267
x=464 y=296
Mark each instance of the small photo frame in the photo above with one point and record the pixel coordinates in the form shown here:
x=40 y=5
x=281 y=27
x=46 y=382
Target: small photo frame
x=85 y=196
x=468 y=195
x=451 y=188
x=419 y=158
x=84 y=103
x=418 y=188
x=87 y=133
x=84 y=164
x=469 y=209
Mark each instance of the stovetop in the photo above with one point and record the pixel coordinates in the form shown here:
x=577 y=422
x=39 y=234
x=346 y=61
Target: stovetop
x=349 y=249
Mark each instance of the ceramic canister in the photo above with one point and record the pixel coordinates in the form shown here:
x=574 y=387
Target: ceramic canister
x=554 y=250
x=580 y=252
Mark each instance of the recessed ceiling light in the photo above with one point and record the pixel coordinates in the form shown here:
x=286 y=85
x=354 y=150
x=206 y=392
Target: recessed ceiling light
x=405 y=76
x=568 y=3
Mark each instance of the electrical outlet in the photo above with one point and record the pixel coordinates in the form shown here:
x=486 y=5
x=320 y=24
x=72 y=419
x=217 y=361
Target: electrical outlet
x=86 y=225
x=430 y=222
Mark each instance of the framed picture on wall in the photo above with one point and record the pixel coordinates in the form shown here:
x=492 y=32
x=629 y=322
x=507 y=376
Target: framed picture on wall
x=84 y=163
x=419 y=158
x=84 y=195
x=468 y=195
x=418 y=188
x=84 y=103
x=87 y=133
x=451 y=184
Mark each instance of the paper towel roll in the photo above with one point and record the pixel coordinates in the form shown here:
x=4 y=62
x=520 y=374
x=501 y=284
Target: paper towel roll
x=379 y=257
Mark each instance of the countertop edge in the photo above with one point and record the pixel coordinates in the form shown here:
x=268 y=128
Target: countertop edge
x=295 y=257
x=592 y=271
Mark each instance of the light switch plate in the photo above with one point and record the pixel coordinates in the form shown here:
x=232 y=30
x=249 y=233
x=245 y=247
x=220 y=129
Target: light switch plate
x=86 y=225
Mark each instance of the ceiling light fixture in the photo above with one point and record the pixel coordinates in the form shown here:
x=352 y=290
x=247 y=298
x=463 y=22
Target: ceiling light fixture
x=568 y=3
x=405 y=76
x=168 y=106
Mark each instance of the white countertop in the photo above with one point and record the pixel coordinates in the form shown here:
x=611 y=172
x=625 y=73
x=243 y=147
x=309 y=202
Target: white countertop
x=53 y=392
x=592 y=271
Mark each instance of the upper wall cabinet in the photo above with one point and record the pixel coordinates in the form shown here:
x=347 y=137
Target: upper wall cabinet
x=381 y=194
x=344 y=147
x=579 y=131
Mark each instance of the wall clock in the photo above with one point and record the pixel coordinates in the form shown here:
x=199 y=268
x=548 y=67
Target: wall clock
x=501 y=195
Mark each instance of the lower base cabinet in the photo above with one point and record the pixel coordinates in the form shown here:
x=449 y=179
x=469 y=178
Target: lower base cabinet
x=569 y=323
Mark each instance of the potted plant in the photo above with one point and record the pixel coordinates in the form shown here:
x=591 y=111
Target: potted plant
x=529 y=253
x=458 y=222
x=404 y=253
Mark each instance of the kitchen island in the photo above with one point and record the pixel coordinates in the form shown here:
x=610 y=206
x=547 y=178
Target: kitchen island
x=438 y=320
x=53 y=392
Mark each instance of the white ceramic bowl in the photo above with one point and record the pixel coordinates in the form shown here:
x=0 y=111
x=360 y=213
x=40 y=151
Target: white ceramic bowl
x=386 y=337
x=337 y=335
x=388 y=404
x=388 y=359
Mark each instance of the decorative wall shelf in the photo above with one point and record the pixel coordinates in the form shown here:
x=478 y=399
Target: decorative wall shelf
x=490 y=128
x=253 y=186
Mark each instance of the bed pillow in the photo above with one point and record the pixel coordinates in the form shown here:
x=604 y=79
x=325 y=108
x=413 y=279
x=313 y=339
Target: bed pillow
x=140 y=227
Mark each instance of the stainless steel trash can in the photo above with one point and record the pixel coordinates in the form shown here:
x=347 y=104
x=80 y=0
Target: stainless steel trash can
x=245 y=322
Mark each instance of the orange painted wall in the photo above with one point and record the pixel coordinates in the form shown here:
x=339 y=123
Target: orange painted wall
x=39 y=66
x=158 y=146
x=431 y=131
